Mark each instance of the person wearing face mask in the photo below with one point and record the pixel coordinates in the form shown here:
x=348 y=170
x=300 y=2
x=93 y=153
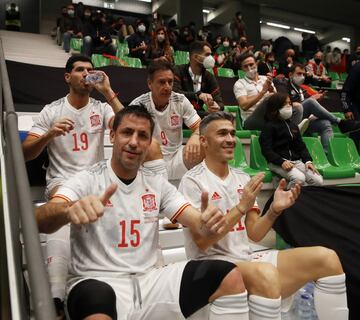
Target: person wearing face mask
x=322 y=120
x=138 y=42
x=217 y=43
x=288 y=60
x=98 y=39
x=196 y=83
x=252 y=93
x=317 y=71
x=282 y=145
x=237 y=26
x=70 y=26
x=267 y=66
x=185 y=38
x=160 y=47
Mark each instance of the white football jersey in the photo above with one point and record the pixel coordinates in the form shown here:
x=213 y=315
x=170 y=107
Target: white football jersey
x=224 y=194
x=126 y=238
x=81 y=147
x=169 y=122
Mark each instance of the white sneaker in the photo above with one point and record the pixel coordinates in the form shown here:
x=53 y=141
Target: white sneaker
x=303 y=125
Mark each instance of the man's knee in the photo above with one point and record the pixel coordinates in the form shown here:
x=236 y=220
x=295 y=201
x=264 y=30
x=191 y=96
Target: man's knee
x=327 y=261
x=296 y=176
x=264 y=281
x=233 y=283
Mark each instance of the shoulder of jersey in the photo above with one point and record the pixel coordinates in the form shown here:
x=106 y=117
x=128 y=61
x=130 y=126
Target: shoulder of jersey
x=143 y=99
x=56 y=103
x=177 y=97
x=195 y=171
x=238 y=171
x=98 y=168
x=95 y=102
x=149 y=172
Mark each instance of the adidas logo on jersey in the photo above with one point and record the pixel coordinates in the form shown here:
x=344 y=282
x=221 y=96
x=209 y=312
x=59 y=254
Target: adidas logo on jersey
x=215 y=196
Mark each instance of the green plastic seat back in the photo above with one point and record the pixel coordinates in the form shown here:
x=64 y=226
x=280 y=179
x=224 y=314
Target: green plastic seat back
x=334 y=76
x=239 y=160
x=99 y=60
x=343 y=152
x=343 y=76
x=316 y=151
x=226 y=73
x=76 y=44
x=132 y=62
x=181 y=57
x=257 y=160
x=234 y=110
x=241 y=74
x=122 y=49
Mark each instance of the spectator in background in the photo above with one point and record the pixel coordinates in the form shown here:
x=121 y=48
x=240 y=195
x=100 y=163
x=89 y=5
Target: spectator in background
x=98 y=39
x=267 y=66
x=237 y=26
x=310 y=45
x=12 y=18
x=184 y=39
x=336 y=60
x=327 y=57
x=354 y=58
x=120 y=29
x=173 y=32
x=252 y=93
x=287 y=62
x=70 y=26
x=59 y=34
x=217 y=43
x=160 y=46
x=282 y=145
x=280 y=46
x=350 y=98
x=345 y=57
x=196 y=83
x=317 y=72
x=79 y=10
x=138 y=42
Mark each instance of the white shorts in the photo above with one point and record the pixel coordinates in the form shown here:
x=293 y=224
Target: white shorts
x=271 y=256
x=175 y=165
x=158 y=297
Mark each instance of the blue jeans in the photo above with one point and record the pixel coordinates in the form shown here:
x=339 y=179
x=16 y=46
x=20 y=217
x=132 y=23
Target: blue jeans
x=322 y=124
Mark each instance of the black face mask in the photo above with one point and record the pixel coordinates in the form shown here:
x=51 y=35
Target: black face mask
x=317 y=61
x=243 y=44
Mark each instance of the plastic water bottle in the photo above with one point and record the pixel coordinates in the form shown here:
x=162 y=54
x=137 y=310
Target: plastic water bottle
x=304 y=308
x=94 y=77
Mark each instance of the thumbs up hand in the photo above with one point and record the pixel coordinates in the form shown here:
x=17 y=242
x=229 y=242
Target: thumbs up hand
x=89 y=209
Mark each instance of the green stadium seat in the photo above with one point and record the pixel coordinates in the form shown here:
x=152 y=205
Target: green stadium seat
x=122 y=49
x=187 y=133
x=235 y=111
x=343 y=153
x=76 y=44
x=226 y=73
x=99 y=60
x=241 y=74
x=343 y=76
x=239 y=161
x=181 y=57
x=257 y=160
x=334 y=76
x=322 y=164
x=132 y=62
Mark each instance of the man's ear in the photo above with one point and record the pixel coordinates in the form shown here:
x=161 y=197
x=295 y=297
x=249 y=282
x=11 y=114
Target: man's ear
x=203 y=140
x=67 y=77
x=149 y=84
x=112 y=136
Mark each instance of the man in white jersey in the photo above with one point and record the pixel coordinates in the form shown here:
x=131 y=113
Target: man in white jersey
x=72 y=128
x=113 y=271
x=171 y=110
x=270 y=274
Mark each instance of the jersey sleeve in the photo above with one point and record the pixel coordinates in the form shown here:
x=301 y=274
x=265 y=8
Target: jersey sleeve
x=172 y=201
x=43 y=123
x=191 y=190
x=108 y=115
x=239 y=89
x=75 y=188
x=190 y=116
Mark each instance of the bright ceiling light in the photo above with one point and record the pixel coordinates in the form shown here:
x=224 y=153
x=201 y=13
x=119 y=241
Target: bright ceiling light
x=145 y=0
x=206 y=11
x=304 y=30
x=277 y=25
x=346 y=39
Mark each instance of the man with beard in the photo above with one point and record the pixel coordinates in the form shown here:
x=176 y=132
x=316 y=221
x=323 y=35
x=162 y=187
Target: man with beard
x=72 y=128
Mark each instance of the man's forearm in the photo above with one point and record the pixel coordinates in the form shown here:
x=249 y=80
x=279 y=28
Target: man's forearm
x=33 y=148
x=52 y=216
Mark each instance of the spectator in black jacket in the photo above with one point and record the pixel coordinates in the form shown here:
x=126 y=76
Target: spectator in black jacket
x=196 y=83
x=70 y=26
x=283 y=147
x=139 y=41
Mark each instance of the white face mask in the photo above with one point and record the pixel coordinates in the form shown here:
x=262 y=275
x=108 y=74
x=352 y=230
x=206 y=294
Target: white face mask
x=251 y=73
x=160 y=37
x=209 y=62
x=226 y=44
x=285 y=112
x=298 y=80
x=141 y=28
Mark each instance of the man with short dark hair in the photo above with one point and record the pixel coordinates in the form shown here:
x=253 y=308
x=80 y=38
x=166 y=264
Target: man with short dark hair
x=171 y=110
x=196 y=83
x=270 y=276
x=323 y=120
x=72 y=129
x=114 y=210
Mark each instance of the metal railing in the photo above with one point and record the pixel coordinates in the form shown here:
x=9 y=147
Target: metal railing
x=17 y=210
